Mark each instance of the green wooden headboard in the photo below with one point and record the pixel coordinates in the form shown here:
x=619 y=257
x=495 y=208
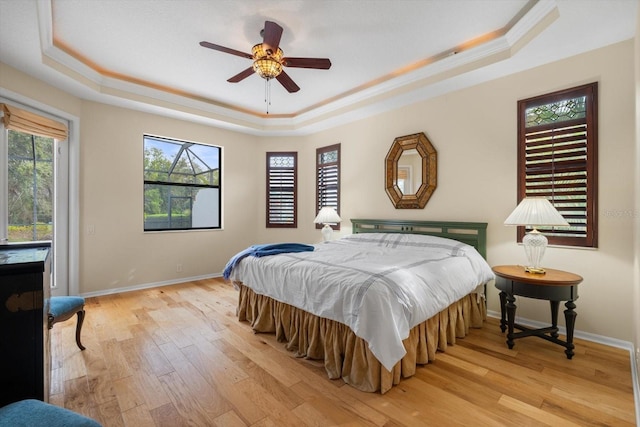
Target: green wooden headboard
x=471 y=233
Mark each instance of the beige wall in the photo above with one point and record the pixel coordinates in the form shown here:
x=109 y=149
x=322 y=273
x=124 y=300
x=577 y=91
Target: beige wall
x=120 y=254
x=26 y=86
x=474 y=131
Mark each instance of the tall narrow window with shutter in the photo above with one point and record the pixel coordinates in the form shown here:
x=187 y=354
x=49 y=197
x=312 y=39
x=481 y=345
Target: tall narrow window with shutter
x=282 y=175
x=328 y=180
x=557 y=159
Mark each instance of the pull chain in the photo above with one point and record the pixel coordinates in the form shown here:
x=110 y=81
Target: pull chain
x=267 y=93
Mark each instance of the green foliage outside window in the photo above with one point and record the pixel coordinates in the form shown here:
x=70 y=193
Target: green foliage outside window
x=30 y=187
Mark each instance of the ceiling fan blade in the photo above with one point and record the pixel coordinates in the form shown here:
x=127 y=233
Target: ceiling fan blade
x=286 y=81
x=272 y=35
x=241 y=75
x=317 y=63
x=226 y=50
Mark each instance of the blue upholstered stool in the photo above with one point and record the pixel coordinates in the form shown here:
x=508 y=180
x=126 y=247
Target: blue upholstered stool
x=35 y=413
x=63 y=308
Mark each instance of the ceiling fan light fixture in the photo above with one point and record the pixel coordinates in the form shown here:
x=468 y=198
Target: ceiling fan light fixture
x=267 y=68
x=269 y=61
x=261 y=51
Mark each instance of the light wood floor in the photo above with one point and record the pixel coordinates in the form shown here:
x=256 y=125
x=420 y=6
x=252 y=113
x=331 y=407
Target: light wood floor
x=177 y=356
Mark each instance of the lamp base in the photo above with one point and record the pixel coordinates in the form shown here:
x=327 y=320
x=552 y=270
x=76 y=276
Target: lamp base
x=534 y=244
x=326 y=231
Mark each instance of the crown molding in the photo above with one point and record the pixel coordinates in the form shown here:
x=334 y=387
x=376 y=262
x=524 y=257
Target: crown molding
x=358 y=103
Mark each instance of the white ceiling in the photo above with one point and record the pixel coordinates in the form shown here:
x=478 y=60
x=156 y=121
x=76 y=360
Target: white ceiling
x=144 y=54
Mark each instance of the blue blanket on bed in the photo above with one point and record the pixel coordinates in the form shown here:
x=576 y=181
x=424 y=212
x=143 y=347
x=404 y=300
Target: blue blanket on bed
x=264 y=250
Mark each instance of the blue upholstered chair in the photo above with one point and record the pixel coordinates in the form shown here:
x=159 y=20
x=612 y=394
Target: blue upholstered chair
x=35 y=413
x=63 y=308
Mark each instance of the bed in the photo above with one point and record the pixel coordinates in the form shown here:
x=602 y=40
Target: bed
x=360 y=303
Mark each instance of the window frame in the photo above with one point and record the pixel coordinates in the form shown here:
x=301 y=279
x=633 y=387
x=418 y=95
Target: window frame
x=271 y=172
x=322 y=190
x=589 y=238
x=66 y=159
x=146 y=182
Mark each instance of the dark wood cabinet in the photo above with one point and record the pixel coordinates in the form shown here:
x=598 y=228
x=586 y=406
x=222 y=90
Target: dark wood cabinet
x=25 y=362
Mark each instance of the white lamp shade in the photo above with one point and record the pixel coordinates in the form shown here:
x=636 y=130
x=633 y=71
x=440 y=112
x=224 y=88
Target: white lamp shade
x=327 y=215
x=536 y=211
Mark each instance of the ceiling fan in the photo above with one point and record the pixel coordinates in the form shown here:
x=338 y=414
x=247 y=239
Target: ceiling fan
x=268 y=59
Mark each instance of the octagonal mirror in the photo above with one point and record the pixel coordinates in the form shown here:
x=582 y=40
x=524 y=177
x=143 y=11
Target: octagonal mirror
x=411 y=171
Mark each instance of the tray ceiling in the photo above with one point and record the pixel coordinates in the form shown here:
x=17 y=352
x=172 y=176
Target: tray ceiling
x=145 y=54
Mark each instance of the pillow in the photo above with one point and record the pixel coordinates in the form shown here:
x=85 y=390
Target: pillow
x=425 y=243
x=409 y=241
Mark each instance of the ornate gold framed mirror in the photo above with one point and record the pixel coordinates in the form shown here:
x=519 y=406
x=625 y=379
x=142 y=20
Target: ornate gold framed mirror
x=411 y=169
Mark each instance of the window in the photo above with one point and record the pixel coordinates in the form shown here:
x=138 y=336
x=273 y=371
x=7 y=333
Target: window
x=181 y=185
x=557 y=159
x=34 y=184
x=282 y=177
x=328 y=179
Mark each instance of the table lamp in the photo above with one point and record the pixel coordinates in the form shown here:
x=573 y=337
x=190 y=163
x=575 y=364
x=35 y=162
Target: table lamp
x=534 y=212
x=326 y=216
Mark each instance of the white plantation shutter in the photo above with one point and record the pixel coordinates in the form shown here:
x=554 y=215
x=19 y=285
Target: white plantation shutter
x=558 y=159
x=282 y=190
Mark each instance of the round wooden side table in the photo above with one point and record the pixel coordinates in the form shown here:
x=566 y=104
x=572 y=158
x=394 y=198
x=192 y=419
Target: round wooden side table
x=553 y=286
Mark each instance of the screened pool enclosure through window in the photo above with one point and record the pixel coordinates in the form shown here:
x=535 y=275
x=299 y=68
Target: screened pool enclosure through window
x=181 y=185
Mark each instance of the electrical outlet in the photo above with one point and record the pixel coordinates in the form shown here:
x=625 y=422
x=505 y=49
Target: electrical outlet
x=178 y=268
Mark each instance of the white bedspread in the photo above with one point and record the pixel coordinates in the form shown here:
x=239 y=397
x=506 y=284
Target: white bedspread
x=380 y=285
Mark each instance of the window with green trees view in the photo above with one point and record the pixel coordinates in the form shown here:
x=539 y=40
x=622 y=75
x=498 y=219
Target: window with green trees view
x=30 y=187
x=181 y=185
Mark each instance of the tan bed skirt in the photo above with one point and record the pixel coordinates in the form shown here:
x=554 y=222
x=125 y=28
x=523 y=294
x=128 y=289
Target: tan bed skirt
x=347 y=356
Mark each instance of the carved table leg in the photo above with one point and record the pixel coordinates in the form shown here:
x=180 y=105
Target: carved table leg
x=511 y=318
x=554 y=317
x=570 y=320
x=503 y=313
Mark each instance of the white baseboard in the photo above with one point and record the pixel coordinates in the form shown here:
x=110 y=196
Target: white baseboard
x=636 y=387
x=149 y=285
x=600 y=339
